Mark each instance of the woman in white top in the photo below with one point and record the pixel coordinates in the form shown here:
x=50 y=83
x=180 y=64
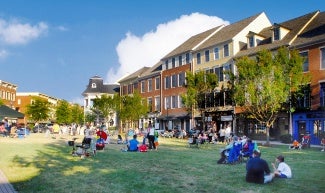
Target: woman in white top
x=283 y=170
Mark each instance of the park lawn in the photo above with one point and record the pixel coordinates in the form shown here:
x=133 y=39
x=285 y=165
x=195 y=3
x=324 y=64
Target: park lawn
x=39 y=164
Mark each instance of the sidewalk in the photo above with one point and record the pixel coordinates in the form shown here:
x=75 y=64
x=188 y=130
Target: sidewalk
x=280 y=143
x=5 y=186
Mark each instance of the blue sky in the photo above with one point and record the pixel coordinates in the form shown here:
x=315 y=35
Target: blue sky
x=55 y=46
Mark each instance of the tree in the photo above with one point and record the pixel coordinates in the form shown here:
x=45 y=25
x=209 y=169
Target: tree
x=38 y=110
x=133 y=108
x=106 y=106
x=263 y=84
x=63 y=112
x=198 y=85
x=77 y=114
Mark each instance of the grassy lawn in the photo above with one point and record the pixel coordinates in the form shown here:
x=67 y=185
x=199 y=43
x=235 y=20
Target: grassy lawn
x=39 y=164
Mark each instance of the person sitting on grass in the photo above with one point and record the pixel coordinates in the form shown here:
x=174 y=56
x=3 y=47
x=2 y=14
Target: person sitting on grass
x=283 y=170
x=133 y=144
x=257 y=170
x=295 y=145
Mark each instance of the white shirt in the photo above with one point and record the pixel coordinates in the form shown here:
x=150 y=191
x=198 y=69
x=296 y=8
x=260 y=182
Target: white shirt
x=283 y=168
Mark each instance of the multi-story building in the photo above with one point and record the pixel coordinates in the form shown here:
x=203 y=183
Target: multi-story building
x=26 y=98
x=95 y=89
x=306 y=34
x=8 y=93
x=215 y=55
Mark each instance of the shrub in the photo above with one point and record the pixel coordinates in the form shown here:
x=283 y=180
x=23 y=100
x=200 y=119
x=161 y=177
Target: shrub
x=287 y=138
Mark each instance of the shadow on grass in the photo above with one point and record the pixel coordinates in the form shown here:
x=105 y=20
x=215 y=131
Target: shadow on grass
x=173 y=168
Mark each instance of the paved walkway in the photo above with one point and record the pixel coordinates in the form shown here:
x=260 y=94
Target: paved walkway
x=5 y=186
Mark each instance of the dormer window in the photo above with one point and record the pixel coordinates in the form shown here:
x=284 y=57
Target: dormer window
x=93 y=85
x=251 y=41
x=279 y=32
x=276 y=33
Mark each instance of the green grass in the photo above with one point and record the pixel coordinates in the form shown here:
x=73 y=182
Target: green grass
x=39 y=164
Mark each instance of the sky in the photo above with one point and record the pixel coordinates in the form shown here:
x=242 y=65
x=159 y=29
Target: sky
x=55 y=46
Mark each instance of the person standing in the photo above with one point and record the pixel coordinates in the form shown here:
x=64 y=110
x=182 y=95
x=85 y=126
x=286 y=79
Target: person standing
x=222 y=133
x=283 y=170
x=151 y=136
x=257 y=170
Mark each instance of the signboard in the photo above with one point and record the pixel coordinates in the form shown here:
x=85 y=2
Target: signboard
x=226 y=118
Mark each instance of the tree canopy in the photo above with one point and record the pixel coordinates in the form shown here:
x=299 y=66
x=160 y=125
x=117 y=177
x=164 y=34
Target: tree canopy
x=264 y=83
x=38 y=110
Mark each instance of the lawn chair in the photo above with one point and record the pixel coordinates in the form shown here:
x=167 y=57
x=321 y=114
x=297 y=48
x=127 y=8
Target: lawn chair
x=305 y=141
x=82 y=149
x=234 y=154
x=247 y=152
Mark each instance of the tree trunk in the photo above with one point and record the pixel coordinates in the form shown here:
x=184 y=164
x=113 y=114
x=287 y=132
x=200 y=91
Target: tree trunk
x=267 y=129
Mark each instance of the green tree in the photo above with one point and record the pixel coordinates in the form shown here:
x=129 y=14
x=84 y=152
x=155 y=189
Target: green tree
x=63 y=112
x=38 y=110
x=263 y=84
x=198 y=85
x=77 y=114
x=106 y=106
x=133 y=108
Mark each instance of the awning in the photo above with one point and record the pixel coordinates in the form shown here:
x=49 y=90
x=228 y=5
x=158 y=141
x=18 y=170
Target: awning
x=174 y=117
x=8 y=112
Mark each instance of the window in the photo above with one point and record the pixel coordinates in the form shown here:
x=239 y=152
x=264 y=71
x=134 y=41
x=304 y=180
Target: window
x=167 y=82
x=207 y=55
x=19 y=101
x=276 y=33
x=167 y=102
x=303 y=101
x=226 y=50
x=322 y=94
x=93 y=85
x=157 y=103
x=198 y=58
x=157 y=83
x=149 y=85
x=174 y=102
x=143 y=88
x=179 y=60
x=130 y=89
x=227 y=68
x=187 y=58
x=174 y=80
x=251 y=42
x=150 y=104
x=306 y=62
x=181 y=79
x=173 y=62
x=219 y=72
x=166 y=64
x=322 y=57
x=216 y=53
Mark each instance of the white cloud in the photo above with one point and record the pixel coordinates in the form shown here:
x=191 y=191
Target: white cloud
x=136 y=52
x=62 y=28
x=3 y=54
x=13 y=32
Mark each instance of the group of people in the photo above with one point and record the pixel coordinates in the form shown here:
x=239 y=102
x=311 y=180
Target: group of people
x=134 y=145
x=258 y=171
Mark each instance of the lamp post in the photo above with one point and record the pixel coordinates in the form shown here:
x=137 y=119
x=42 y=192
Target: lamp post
x=290 y=106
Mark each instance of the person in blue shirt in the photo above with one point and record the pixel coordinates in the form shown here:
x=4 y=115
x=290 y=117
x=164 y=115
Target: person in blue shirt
x=258 y=170
x=133 y=144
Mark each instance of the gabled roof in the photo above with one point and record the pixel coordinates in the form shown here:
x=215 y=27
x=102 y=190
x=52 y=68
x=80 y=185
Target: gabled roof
x=134 y=75
x=193 y=41
x=228 y=32
x=295 y=25
x=314 y=32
